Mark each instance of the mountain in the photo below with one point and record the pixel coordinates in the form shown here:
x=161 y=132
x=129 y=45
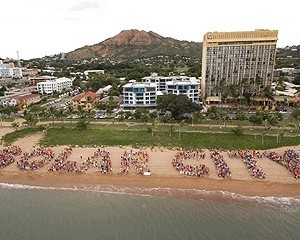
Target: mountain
x=134 y=44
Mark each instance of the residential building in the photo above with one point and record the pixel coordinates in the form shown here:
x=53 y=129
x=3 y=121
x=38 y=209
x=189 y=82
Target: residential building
x=232 y=57
x=161 y=82
x=87 y=100
x=137 y=94
x=28 y=99
x=23 y=100
x=57 y=85
x=9 y=71
x=189 y=87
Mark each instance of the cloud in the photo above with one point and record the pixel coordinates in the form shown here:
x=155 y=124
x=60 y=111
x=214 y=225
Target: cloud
x=85 y=6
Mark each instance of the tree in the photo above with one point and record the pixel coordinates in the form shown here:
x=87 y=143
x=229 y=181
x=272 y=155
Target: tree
x=177 y=105
x=82 y=124
x=238 y=130
x=222 y=90
x=240 y=115
x=256 y=119
x=60 y=114
x=9 y=110
x=213 y=113
x=180 y=127
x=267 y=94
x=15 y=125
x=296 y=114
x=171 y=130
x=30 y=119
x=52 y=111
x=297 y=80
x=166 y=118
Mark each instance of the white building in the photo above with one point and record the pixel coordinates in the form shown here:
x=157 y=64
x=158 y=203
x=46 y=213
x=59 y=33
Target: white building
x=161 y=81
x=139 y=94
x=189 y=87
x=87 y=72
x=57 y=85
x=9 y=71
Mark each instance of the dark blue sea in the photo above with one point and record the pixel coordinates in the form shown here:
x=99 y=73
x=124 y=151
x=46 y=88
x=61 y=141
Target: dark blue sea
x=109 y=213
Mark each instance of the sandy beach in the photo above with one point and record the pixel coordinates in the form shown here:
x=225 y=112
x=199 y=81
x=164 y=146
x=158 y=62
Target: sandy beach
x=279 y=181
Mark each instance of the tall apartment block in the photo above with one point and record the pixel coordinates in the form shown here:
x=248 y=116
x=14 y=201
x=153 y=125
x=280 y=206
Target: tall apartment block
x=230 y=57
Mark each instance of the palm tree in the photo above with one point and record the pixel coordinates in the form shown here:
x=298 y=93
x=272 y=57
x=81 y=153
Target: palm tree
x=171 y=130
x=221 y=90
x=60 y=113
x=268 y=94
x=52 y=111
x=180 y=126
x=15 y=125
x=30 y=119
x=155 y=121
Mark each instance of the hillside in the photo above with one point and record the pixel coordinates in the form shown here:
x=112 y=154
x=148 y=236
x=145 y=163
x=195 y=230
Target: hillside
x=288 y=57
x=135 y=44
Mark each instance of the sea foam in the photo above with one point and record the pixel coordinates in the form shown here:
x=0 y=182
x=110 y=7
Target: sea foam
x=167 y=192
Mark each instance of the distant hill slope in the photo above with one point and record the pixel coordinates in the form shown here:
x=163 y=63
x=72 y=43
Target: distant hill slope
x=133 y=44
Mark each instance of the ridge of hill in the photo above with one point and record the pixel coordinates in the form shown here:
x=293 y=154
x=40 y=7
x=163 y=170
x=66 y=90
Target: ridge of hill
x=134 y=44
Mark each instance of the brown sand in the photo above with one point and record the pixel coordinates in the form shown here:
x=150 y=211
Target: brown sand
x=279 y=181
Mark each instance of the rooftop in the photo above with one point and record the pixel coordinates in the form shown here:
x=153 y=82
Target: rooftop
x=86 y=94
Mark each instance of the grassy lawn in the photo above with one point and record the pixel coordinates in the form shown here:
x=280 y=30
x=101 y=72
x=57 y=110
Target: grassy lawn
x=110 y=136
x=13 y=136
x=181 y=69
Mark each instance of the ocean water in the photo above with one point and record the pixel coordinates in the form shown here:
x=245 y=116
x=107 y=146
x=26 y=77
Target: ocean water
x=108 y=213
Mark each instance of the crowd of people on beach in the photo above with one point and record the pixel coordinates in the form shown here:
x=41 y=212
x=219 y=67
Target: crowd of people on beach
x=221 y=165
x=61 y=163
x=249 y=159
x=179 y=159
x=46 y=155
x=7 y=155
x=136 y=158
x=290 y=159
x=101 y=160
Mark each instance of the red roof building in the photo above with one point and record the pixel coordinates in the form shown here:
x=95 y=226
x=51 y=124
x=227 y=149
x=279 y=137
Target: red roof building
x=87 y=100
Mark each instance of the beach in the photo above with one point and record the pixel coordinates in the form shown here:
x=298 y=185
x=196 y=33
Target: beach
x=279 y=182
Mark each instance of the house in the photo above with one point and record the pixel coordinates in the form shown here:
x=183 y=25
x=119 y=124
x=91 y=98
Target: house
x=87 y=100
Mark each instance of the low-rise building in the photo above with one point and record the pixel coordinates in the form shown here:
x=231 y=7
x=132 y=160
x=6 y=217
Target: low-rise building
x=189 y=88
x=9 y=71
x=161 y=82
x=87 y=100
x=23 y=100
x=139 y=95
x=88 y=72
x=57 y=85
x=28 y=99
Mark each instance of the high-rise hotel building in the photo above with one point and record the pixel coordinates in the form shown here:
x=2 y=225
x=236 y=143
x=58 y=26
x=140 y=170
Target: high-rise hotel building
x=230 y=57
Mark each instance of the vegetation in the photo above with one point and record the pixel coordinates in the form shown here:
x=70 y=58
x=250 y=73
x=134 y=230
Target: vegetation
x=145 y=137
x=9 y=138
x=177 y=105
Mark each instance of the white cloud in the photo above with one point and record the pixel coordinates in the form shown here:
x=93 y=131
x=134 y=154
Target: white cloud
x=44 y=27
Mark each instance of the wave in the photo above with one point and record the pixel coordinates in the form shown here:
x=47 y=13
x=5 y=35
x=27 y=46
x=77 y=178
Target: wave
x=165 y=192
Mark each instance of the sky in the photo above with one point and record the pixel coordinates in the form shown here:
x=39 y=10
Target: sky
x=36 y=28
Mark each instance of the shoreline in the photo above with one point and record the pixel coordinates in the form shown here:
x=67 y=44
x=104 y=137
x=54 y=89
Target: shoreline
x=247 y=188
